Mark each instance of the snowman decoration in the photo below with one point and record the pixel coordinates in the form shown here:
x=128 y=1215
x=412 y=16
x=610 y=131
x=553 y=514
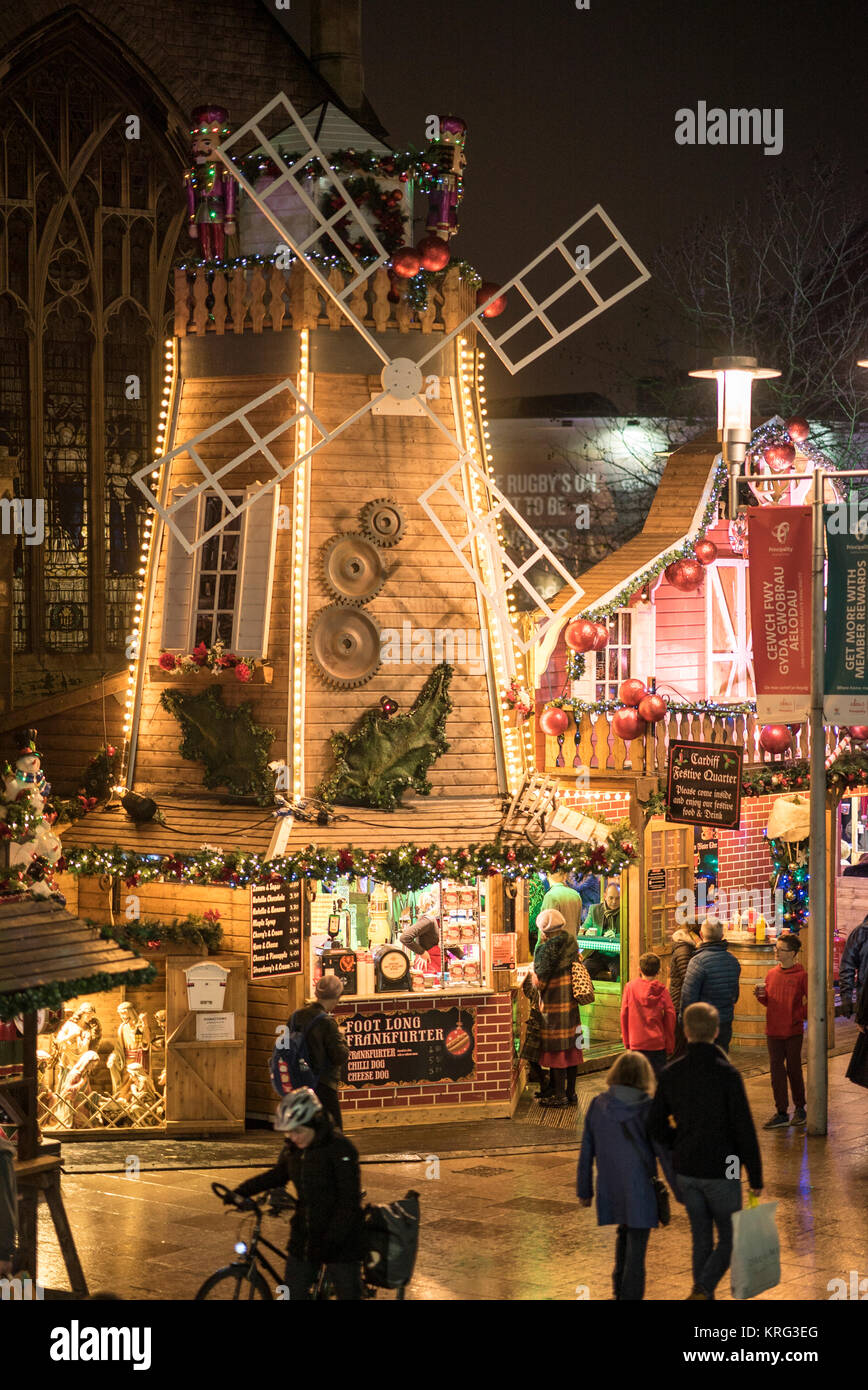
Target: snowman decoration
x=26 y=785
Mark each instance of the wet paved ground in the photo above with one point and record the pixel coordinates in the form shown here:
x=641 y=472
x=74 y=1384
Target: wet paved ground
x=504 y=1225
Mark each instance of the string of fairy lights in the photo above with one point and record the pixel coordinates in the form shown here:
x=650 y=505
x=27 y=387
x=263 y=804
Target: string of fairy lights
x=477 y=440
x=138 y=636
x=299 y=568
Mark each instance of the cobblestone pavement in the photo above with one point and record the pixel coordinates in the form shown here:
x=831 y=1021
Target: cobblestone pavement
x=499 y=1226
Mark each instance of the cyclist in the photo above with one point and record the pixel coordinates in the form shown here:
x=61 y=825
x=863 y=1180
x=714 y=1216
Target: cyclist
x=327 y=1225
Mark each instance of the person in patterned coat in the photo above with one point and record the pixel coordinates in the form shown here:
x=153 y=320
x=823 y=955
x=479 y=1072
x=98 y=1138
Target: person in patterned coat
x=553 y=976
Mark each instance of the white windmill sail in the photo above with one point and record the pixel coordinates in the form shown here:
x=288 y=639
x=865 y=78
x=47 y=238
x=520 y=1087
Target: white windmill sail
x=402 y=377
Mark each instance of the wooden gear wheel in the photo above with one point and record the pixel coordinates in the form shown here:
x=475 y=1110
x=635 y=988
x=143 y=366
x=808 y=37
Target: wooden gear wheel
x=382 y=521
x=352 y=568
x=345 y=646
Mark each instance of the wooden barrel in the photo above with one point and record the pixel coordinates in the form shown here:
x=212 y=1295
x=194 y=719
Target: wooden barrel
x=749 y=1023
x=603 y=1018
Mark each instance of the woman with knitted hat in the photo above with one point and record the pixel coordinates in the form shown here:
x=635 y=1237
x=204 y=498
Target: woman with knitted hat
x=553 y=975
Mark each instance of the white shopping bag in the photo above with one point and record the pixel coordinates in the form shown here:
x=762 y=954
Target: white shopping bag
x=756 y=1250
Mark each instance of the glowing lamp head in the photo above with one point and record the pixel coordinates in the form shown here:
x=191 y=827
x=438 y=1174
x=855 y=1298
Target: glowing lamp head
x=735 y=377
x=240 y=1247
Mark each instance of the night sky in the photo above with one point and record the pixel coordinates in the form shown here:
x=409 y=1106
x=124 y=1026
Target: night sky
x=567 y=108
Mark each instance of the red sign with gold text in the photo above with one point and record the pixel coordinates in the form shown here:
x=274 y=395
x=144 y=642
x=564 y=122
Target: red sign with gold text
x=779 y=574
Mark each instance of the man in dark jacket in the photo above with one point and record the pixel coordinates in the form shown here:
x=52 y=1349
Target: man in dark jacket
x=853 y=970
x=325 y=1042
x=714 y=1135
x=712 y=978
x=327 y=1225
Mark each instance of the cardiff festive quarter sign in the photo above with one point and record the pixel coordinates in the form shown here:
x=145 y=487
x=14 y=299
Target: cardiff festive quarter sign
x=704 y=784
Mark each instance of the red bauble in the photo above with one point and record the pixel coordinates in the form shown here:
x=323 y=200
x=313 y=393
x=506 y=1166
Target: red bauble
x=627 y=724
x=630 y=692
x=580 y=635
x=705 y=552
x=779 y=456
x=434 y=253
x=776 y=738
x=685 y=574
x=859 y=732
x=497 y=306
x=406 y=262
x=652 y=708
x=554 y=721
x=797 y=428
x=602 y=638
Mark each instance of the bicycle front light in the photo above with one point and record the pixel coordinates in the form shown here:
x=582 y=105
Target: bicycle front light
x=240 y=1247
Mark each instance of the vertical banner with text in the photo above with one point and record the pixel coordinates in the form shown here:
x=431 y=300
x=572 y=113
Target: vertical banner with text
x=845 y=680
x=779 y=574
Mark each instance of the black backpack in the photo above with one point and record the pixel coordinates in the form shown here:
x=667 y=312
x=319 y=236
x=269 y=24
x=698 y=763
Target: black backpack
x=290 y=1066
x=391 y=1242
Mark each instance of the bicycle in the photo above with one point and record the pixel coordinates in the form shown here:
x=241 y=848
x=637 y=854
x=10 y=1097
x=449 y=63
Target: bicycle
x=246 y=1271
x=228 y=1282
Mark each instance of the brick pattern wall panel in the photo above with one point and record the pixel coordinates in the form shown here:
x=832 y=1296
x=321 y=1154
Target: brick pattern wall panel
x=493 y=1075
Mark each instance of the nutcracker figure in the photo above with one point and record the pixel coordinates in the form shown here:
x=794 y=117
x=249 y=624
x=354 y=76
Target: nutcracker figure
x=449 y=155
x=211 y=189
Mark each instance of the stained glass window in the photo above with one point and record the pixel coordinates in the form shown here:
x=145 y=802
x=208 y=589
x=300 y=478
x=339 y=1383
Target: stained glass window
x=84 y=318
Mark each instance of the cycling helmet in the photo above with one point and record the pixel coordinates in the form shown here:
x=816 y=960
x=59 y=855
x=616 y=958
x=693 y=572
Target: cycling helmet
x=296 y=1109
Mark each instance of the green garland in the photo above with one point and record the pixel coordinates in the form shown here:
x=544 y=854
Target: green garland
x=725 y=709
x=144 y=932
x=408 y=867
x=25 y=1001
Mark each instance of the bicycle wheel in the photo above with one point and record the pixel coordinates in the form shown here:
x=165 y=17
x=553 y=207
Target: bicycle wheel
x=234 y=1284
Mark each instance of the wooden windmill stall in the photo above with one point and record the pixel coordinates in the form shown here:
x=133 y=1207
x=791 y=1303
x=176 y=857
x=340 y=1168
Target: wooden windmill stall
x=327 y=616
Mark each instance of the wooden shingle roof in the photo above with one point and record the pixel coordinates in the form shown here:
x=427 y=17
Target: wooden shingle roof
x=675 y=511
x=452 y=822
x=43 y=944
x=190 y=824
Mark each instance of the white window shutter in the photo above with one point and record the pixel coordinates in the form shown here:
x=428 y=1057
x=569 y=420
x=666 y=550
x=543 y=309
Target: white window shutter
x=643 y=658
x=257 y=567
x=180 y=572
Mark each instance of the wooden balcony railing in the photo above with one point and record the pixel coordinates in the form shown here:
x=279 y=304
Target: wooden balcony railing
x=262 y=298
x=591 y=743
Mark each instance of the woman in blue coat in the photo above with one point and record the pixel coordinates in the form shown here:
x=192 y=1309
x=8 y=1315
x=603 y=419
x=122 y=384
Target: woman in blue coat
x=615 y=1135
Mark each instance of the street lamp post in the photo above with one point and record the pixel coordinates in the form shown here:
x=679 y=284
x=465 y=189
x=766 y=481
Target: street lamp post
x=735 y=377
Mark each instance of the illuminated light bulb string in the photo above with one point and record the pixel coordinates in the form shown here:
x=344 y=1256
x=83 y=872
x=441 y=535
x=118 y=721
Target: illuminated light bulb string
x=138 y=637
x=477 y=444
x=299 y=570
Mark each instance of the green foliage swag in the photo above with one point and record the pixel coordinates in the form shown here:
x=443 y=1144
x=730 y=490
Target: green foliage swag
x=52 y=996
x=383 y=756
x=192 y=931
x=229 y=743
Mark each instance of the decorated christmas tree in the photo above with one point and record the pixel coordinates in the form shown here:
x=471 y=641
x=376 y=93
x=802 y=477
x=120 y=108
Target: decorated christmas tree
x=790 y=878
x=25 y=821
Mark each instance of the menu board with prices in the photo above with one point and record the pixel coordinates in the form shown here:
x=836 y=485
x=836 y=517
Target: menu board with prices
x=275 y=929
x=408 y=1048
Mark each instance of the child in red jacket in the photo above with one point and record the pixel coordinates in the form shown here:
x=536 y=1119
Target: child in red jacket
x=785 y=997
x=648 y=1014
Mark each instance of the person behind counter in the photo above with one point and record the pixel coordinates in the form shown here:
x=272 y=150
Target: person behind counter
x=564 y=900
x=326 y=1044
x=604 y=919
x=422 y=937
x=553 y=975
